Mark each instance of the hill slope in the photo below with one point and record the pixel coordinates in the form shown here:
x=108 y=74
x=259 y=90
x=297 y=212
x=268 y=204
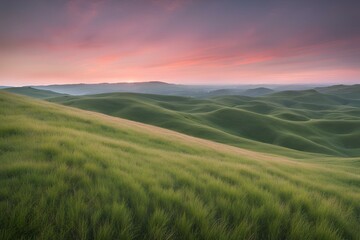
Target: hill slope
x=71 y=174
x=33 y=92
x=304 y=120
x=346 y=91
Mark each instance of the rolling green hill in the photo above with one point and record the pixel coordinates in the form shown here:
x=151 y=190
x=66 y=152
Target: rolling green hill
x=33 y=92
x=346 y=91
x=300 y=120
x=252 y=92
x=71 y=174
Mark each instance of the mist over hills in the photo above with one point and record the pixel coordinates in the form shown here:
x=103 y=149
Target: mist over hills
x=162 y=88
x=344 y=91
x=142 y=87
x=251 y=92
x=33 y=92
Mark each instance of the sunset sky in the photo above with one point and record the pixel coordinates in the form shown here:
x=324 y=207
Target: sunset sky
x=179 y=41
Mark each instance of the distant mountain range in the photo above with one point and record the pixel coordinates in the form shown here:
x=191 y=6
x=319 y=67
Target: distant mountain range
x=162 y=88
x=253 y=92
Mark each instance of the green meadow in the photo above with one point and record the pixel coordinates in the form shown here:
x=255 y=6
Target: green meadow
x=307 y=121
x=67 y=173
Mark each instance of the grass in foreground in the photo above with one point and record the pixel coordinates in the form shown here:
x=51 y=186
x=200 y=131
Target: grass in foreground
x=67 y=174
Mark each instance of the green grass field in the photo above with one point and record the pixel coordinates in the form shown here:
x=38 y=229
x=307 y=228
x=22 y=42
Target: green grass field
x=301 y=120
x=71 y=174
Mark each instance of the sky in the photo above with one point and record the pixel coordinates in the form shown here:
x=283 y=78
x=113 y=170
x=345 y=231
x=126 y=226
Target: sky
x=179 y=41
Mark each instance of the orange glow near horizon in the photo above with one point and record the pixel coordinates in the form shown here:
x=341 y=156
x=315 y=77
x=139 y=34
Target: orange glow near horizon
x=182 y=41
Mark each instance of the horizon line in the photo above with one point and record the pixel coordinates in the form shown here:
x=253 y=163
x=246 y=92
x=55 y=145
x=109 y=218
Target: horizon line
x=195 y=84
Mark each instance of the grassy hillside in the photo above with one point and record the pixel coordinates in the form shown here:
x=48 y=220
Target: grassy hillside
x=71 y=174
x=346 y=91
x=252 y=92
x=33 y=92
x=304 y=120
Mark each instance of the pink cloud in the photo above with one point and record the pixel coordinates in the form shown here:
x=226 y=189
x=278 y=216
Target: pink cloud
x=176 y=41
